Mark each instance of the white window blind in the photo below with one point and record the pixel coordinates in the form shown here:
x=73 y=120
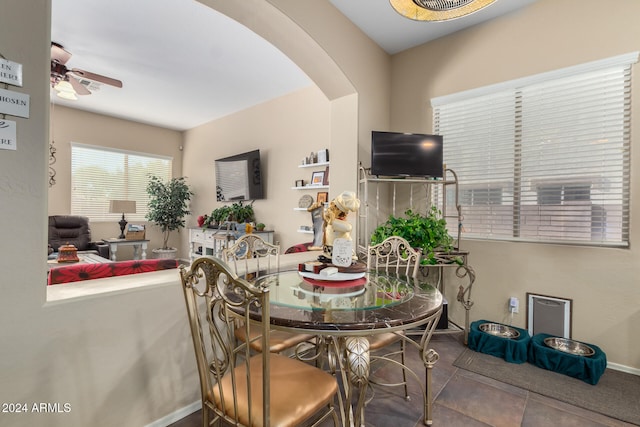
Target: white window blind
x=544 y=158
x=99 y=175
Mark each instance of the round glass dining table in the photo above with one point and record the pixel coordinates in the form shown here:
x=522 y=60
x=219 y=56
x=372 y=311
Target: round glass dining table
x=343 y=313
x=374 y=303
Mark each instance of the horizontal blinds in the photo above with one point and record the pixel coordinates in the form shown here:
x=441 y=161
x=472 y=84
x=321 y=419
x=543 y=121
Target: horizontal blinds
x=99 y=175
x=546 y=160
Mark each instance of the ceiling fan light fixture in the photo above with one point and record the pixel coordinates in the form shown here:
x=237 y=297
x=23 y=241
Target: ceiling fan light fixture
x=68 y=95
x=437 y=10
x=64 y=86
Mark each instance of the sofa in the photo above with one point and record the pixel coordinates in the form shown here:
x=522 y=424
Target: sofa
x=73 y=230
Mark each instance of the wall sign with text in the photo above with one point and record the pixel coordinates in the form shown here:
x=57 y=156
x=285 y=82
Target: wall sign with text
x=10 y=72
x=7 y=135
x=14 y=103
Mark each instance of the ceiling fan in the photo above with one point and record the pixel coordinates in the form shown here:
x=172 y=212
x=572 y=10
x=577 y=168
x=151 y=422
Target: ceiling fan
x=65 y=80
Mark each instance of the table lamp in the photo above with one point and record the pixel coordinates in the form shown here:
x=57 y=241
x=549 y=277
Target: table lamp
x=122 y=206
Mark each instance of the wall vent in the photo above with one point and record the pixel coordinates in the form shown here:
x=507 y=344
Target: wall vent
x=548 y=315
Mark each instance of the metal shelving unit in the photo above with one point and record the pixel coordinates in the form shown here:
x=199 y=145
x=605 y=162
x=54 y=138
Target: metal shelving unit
x=374 y=193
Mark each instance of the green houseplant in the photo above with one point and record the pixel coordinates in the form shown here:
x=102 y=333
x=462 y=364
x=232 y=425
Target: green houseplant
x=425 y=232
x=237 y=212
x=241 y=212
x=168 y=205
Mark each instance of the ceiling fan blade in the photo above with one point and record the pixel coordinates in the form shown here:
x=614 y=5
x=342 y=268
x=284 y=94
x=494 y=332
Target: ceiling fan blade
x=78 y=87
x=59 y=54
x=96 y=77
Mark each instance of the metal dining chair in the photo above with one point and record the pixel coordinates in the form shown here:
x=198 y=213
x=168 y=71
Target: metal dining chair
x=238 y=386
x=251 y=256
x=393 y=256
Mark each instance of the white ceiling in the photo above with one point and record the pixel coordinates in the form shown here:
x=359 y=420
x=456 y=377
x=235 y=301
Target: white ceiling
x=184 y=64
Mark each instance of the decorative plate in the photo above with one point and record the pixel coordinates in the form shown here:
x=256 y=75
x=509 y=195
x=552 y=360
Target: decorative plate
x=337 y=277
x=305 y=201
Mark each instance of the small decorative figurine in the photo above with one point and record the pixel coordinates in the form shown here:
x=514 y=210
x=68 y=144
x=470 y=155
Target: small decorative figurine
x=335 y=224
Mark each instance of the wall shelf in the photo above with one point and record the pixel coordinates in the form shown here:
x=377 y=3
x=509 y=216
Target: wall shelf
x=311 y=187
x=314 y=165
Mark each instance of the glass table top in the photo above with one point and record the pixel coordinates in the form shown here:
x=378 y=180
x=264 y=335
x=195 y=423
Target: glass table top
x=375 y=301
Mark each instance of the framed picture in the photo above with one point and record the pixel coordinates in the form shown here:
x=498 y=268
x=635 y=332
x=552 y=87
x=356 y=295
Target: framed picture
x=299 y=182
x=325 y=179
x=317 y=178
x=323 y=156
x=323 y=197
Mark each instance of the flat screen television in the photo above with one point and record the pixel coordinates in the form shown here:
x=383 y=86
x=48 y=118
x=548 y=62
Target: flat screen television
x=406 y=154
x=239 y=177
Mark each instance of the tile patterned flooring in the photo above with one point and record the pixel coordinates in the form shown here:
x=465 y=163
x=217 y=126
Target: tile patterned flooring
x=463 y=399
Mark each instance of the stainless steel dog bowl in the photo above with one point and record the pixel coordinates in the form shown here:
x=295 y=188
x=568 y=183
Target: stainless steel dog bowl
x=499 y=330
x=569 y=346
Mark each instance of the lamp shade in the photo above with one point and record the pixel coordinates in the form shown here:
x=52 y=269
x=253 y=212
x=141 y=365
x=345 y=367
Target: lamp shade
x=122 y=206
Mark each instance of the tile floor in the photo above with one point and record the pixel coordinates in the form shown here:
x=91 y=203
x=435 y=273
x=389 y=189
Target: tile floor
x=463 y=399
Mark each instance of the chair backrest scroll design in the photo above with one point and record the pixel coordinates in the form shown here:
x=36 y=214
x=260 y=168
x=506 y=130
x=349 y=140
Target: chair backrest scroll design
x=394 y=255
x=254 y=256
x=216 y=298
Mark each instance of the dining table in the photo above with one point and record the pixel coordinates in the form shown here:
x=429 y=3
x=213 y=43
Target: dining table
x=342 y=310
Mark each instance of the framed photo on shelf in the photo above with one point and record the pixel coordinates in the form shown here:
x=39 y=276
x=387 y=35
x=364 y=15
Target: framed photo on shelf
x=317 y=178
x=299 y=182
x=323 y=197
x=325 y=178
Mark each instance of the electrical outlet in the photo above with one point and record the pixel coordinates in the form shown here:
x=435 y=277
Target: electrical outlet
x=514 y=305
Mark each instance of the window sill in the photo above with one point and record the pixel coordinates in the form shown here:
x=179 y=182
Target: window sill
x=87 y=289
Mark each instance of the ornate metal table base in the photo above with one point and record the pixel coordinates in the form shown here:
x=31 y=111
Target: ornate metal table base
x=350 y=356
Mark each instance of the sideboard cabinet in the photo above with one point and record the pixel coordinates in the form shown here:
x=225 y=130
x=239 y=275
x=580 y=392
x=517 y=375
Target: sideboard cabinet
x=211 y=241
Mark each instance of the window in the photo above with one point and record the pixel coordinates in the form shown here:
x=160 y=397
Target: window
x=544 y=158
x=100 y=174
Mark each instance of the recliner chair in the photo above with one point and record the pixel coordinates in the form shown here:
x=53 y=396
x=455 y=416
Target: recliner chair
x=73 y=230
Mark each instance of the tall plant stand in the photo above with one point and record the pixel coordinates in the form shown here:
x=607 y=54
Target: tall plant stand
x=381 y=197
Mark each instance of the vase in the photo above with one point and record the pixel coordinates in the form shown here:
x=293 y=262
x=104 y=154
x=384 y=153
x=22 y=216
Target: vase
x=169 y=253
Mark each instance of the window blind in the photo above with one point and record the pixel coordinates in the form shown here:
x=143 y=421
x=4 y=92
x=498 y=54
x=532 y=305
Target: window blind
x=545 y=158
x=99 y=175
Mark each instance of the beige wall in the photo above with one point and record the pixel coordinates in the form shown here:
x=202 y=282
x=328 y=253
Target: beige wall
x=547 y=35
x=133 y=350
x=285 y=130
x=127 y=350
x=71 y=125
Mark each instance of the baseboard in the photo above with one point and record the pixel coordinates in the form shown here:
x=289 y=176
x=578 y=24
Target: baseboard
x=623 y=368
x=176 y=415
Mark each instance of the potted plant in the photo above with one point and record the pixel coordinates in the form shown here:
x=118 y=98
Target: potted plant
x=425 y=232
x=240 y=212
x=260 y=226
x=167 y=209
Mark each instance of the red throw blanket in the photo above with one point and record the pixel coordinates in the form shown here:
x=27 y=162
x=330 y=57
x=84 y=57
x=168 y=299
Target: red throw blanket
x=78 y=272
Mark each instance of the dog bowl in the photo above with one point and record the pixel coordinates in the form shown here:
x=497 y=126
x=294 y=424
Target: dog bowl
x=569 y=346
x=499 y=330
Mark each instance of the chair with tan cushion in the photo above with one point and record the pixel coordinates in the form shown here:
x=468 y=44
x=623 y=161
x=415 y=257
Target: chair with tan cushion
x=239 y=386
x=252 y=257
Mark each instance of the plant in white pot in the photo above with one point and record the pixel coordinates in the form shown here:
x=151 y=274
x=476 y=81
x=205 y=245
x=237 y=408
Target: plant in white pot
x=168 y=208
